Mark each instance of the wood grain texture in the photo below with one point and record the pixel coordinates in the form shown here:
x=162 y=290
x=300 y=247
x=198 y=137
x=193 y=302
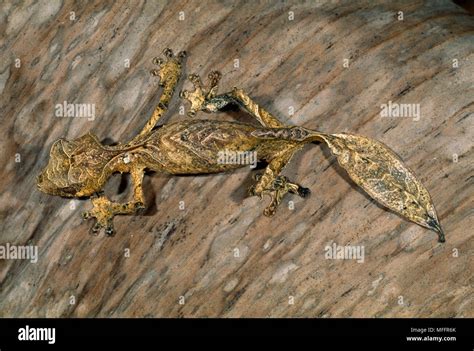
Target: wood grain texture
x=283 y=64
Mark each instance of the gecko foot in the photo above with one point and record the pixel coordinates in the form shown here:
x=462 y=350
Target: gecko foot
x=277 y=190
x=169 y=67
x=203 y=96
x=105 y=210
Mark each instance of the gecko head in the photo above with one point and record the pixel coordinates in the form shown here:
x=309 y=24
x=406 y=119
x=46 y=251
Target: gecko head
x=72 y=168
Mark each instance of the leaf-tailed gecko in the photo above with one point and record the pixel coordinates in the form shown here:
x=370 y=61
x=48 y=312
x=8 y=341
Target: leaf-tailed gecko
x=81 y=167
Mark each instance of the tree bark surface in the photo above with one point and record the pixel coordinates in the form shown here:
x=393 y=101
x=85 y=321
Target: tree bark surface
x=323 y=65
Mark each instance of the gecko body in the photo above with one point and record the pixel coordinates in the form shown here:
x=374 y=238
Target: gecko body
x=81 y=167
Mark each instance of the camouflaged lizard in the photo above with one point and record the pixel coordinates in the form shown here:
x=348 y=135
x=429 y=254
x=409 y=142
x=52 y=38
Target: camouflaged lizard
x=81 y=167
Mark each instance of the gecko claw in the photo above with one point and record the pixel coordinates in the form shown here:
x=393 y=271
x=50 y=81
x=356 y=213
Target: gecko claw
x=158 y=61
x=109 y=230
x=182 y=55
x=195 y=79
x=214 y=78
x=168 y=52
x=269 y=211
x=95 y=229
x=303 y=192
x=257 y=177
x=253 y=192
x=139 y=205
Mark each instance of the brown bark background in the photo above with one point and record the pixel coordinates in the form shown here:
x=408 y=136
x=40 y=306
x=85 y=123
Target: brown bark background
x=189 y=255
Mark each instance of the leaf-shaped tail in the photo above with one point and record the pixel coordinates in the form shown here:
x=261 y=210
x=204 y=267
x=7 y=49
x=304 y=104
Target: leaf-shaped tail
x=381 y=173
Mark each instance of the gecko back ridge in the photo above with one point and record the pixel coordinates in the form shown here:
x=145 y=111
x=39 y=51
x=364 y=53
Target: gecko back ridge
x=81 y=167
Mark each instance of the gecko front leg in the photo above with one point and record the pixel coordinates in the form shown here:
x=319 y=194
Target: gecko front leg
x=205 y=98
x=105 y=210
x=169 y=72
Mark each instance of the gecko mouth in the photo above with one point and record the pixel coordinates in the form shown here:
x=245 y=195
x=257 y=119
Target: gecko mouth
x=49 y=187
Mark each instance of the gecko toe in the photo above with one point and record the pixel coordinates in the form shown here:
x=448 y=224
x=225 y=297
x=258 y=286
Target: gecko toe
x=214 y=76
x=269 y=211
x=304 y=192
x=195 y=79
x=95 y=229
x=158 y=61
x=168 y=52
x=257 y=176
x=109 y=230
x=182 y=55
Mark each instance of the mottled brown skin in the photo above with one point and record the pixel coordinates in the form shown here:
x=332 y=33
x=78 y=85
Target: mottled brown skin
x=80 y=168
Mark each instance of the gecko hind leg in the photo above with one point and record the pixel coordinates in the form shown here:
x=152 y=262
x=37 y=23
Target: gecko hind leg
x=271 y=183
x=205 y=98
x=169 y=72
x=277 y=189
